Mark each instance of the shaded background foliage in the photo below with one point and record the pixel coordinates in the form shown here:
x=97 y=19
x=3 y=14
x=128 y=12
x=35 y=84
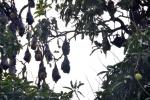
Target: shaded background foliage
x=131 y=31
x=14 y=88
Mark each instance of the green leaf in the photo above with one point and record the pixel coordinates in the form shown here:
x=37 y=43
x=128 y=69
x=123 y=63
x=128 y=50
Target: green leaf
x=147 y=98
x=102 y=72
x=75 y=85
x=68 y=88
x=71 y=84
x=116 y=85
x=80 y=84
x=81 y=93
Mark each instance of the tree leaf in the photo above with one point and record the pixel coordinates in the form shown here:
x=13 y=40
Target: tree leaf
x=71 y=84
x=102 y=72
x=68 y=88
x=81 y=93
x=116 y=85
x=80 y=84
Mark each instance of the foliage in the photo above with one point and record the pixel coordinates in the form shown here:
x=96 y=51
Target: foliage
x=75 y=88
x=120 y=81
x=129 y=79
x=14 y=88
x=12 y=32
x=13 y=29
x=131 y=31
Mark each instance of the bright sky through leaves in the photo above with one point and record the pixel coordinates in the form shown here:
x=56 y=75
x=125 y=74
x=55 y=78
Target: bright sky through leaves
x=83 y=66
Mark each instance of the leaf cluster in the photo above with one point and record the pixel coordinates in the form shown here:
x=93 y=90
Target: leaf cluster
x=15 y=88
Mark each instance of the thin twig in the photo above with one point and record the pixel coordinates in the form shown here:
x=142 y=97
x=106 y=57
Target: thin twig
x=90 y=85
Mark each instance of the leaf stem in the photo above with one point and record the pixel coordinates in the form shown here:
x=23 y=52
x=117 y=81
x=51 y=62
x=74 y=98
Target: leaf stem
x=77 y=95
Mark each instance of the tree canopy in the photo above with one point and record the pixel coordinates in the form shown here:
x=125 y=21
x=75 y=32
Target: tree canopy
x=127 y=25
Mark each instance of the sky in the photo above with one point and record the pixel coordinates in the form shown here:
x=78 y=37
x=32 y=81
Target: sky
x=84 y=67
